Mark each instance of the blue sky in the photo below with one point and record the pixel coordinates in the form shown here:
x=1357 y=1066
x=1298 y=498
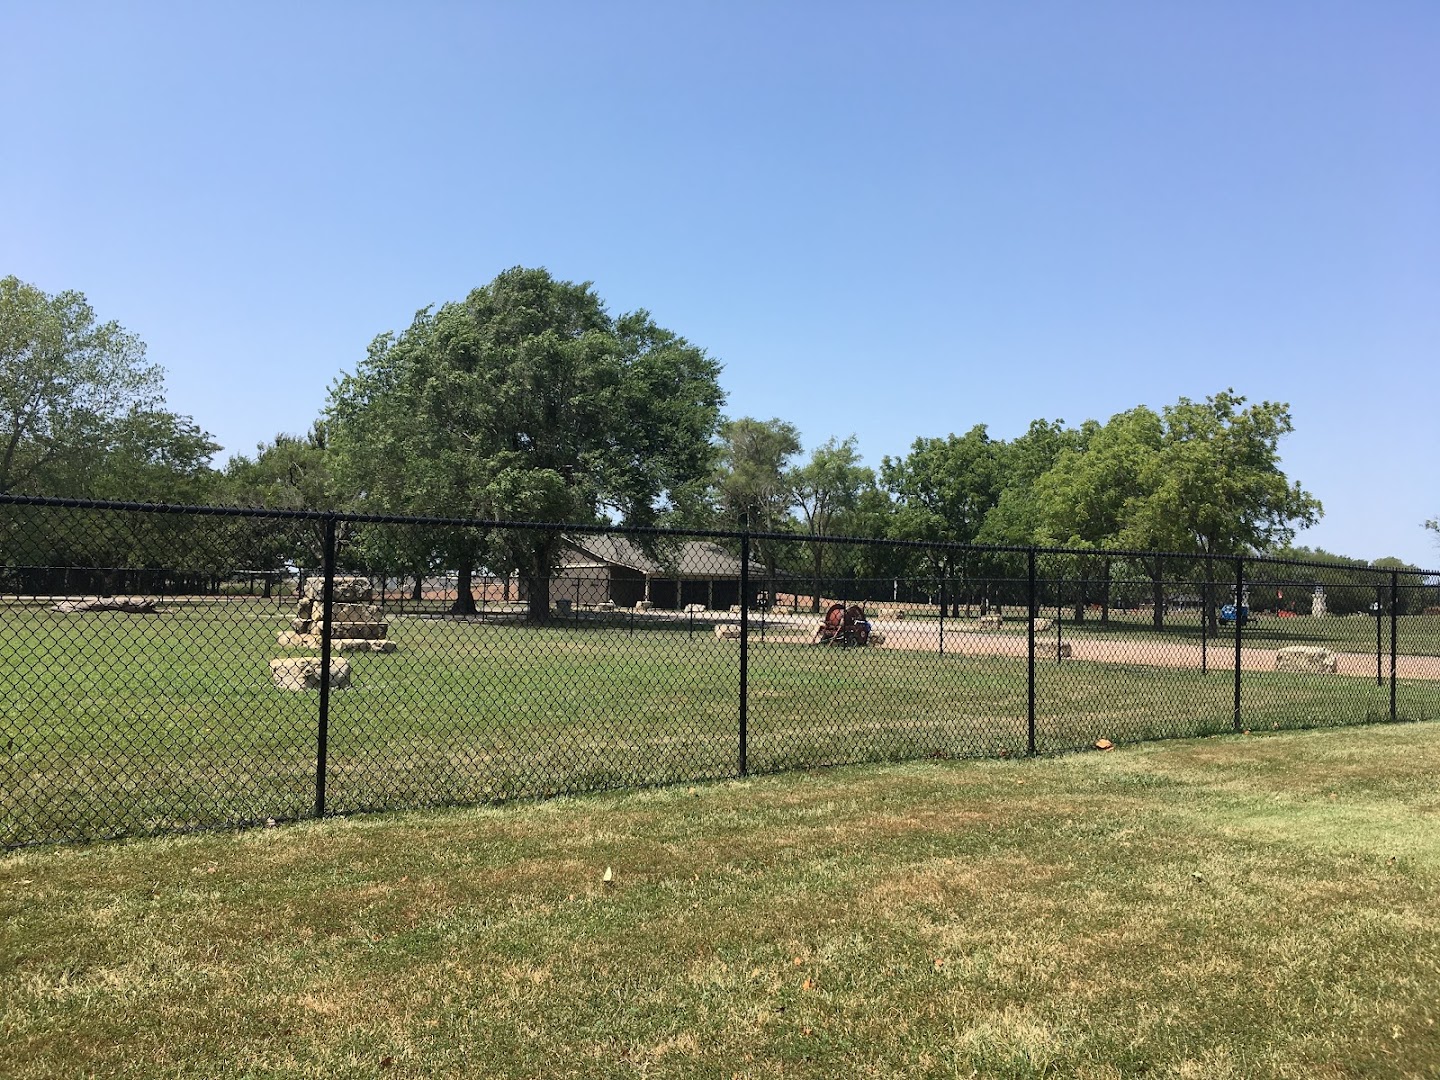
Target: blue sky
x=887 y=219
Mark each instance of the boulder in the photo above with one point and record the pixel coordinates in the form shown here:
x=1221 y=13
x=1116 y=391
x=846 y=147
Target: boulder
x=305 y=609
x=303 y=673
x=353 y=612
x=694 y=609
x=1041 y=625
x=989 y=622
x=131 y=605
x=349 y=589
x=1313 y=659
x=380 y=645
x=353 y=629
x=727 y=632
x=290 y=640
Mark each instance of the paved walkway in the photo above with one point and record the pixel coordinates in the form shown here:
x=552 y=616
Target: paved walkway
x=925 y=637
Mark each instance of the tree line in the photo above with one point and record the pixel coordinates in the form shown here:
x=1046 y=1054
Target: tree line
x=529 y=401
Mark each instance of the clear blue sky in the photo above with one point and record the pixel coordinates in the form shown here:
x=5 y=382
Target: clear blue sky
x=886 y=219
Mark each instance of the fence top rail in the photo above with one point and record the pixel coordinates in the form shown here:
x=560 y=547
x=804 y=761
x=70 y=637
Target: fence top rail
x=658 y=531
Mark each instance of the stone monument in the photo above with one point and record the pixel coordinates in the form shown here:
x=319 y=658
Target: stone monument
x=356 y=623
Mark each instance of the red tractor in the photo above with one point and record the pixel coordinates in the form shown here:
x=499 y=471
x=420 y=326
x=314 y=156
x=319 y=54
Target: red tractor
x=843 y=627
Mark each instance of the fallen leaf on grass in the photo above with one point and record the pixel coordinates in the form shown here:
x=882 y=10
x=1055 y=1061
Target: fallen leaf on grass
x=808 y=984
x=1104 y=744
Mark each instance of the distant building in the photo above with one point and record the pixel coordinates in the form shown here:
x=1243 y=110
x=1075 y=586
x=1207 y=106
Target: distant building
x=605 y=568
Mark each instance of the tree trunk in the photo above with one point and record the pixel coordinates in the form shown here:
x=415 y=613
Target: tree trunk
x=1209 y=611
x=817 y=554
x=464 y=598
x=1157 y=582
x=539 y=601
x=418 y=593
x=1105 y=597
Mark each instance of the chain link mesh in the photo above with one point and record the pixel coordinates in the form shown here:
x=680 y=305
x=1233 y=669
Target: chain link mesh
x=160 y=671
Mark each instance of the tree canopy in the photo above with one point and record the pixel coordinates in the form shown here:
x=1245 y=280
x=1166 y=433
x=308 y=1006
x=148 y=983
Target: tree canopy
x=1216 y=486
x=825 y=488
x=526 y=401
x=82 y=412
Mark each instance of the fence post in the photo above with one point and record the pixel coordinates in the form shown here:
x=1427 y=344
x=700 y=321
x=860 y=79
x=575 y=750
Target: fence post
x=1030 y=681
x=1394 y=633
x=744 y=645
x=1239 y=603
x=322 y=738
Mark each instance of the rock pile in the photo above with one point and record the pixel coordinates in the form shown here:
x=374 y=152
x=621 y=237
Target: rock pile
x=1313 y=659
x=356 y=623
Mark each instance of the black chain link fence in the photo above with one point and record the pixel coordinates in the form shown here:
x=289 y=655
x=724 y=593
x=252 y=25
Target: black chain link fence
x=161 y=668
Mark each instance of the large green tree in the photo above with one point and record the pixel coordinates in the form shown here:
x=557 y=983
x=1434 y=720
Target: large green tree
x=1090 y=496
x=943 y=490
x=288 y=473
x=826 y=488
x=82 y=412
x=1018 y=516
x=527 y=401
x=1216 y=486
x=753 y=482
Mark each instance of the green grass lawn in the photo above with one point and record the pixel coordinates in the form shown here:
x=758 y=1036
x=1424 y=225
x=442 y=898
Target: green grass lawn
x=117 y=724
x=1260 y=906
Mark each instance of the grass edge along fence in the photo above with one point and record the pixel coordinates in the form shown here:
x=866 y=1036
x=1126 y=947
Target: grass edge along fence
x=121 y=724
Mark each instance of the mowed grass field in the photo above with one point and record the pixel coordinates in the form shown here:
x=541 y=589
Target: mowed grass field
x=123 y=724
x=1239 y=906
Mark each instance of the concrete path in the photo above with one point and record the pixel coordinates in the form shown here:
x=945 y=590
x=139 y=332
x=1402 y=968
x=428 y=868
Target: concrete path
x=925 y=637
